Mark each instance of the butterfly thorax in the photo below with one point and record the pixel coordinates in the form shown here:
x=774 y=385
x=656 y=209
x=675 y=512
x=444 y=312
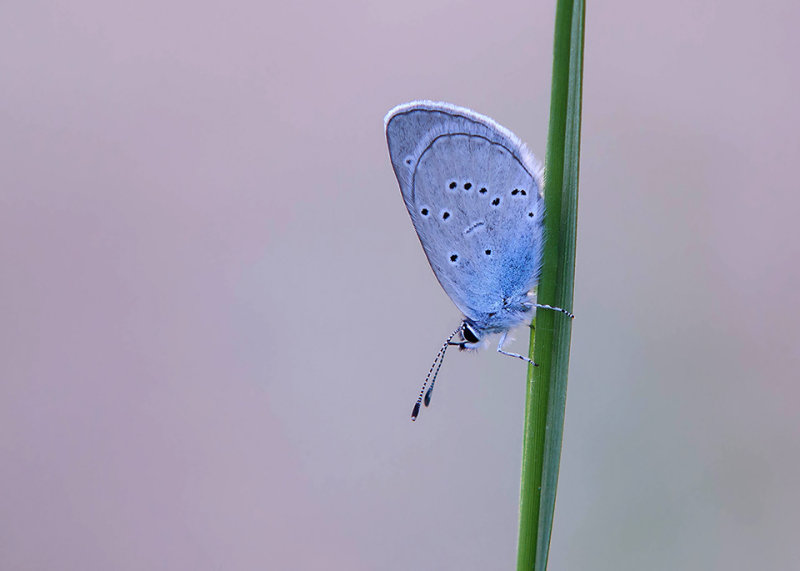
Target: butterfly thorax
x=514 y=311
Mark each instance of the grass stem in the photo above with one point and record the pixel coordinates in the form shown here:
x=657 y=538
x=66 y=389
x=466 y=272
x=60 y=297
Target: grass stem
x=550 y=330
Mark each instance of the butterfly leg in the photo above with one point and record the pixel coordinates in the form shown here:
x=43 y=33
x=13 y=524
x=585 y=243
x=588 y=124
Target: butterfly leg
x=564 y=311
x=500 y=350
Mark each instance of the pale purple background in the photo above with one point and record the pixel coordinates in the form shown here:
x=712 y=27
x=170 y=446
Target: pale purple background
x=216 y=315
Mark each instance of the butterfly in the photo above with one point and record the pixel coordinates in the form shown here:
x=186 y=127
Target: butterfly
x=474 y=194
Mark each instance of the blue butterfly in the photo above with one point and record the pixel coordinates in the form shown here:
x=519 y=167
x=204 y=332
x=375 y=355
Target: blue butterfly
x=474 y=193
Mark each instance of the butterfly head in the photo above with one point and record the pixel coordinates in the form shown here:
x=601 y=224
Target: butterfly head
x=471 y=335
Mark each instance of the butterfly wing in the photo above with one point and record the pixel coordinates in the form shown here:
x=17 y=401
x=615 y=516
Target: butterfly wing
x=474 y=195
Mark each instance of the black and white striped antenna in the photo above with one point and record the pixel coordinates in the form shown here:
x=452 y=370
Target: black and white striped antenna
x=434 y=370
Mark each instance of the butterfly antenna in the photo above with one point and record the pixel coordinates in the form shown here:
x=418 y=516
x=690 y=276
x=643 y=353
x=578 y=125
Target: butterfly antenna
x=434 y=371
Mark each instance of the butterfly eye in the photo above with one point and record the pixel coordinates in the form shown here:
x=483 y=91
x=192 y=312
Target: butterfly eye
x=470 y=334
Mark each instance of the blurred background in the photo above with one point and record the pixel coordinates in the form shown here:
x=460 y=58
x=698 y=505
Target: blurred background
x=215 y=315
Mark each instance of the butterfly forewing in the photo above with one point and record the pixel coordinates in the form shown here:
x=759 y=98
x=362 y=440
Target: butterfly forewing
x=474 y=196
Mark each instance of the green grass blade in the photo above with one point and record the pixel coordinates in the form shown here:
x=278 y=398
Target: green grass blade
x=547 y=383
